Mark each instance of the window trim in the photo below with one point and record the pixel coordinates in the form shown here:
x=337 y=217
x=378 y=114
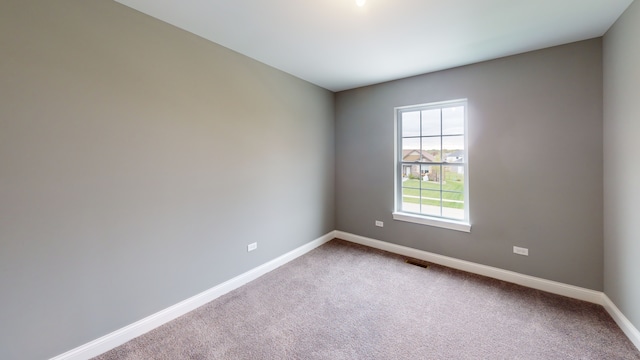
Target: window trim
x=432 y=221
x=441 y=222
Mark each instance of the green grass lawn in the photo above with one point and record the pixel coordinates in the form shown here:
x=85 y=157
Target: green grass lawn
x=433 y=202
x=430 y=185
x=451 y=190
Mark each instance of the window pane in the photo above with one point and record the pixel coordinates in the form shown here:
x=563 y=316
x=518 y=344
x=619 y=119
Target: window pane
x=453 y=149
x=424 y=174
x=411 y=193
x=411 y=149
x=411 y=176
x=430 y=202
x=407 y=170
x=453 y=120
x=411 y=123
x=431 y=177
x=453 y=200
x=411 y=199
x=453 y=177
x=456 y=213
x=453 y=192
x=431 y=122
x=431 y=149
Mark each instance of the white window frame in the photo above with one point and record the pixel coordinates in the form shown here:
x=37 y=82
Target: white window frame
x=437 y=221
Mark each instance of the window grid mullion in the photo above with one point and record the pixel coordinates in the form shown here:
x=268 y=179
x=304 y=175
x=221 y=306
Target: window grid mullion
x=441 y=158
x=420 y=169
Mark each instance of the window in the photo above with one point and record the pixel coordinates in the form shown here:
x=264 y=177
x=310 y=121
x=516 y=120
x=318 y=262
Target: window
x=431 y=181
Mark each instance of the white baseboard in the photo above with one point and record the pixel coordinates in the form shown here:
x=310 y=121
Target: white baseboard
x=554 y=287
x=627 y=327
x=121 y=336
x=489 y=271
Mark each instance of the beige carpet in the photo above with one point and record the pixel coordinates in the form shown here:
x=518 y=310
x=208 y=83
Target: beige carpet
x=346 y=301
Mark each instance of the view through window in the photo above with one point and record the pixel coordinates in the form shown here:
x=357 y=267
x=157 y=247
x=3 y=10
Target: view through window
x=432 y=160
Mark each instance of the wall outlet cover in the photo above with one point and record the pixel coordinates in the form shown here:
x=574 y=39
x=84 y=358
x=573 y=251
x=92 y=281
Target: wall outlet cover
x=520 y=251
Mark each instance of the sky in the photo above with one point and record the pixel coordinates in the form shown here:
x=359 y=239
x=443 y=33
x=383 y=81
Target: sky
x=426 y=127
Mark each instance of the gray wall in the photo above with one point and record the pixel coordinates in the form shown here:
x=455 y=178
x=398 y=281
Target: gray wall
x=621 y=166
x=137 y=161
x=535 y=162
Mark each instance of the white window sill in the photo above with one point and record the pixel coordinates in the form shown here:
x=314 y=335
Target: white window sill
x=431 y=221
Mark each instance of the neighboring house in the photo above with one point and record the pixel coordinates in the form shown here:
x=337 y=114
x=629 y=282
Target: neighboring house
x=413 y=170
x=415 y=155
x=456 y=156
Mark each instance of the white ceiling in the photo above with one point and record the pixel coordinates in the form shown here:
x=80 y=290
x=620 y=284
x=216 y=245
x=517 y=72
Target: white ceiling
x=338 y=45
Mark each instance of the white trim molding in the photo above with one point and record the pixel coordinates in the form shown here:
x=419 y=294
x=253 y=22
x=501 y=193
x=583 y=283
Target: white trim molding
x=575 y=292
x=627 y=327
x=489 y=271
x=121 y=336
x=431 y=221
x=127 y=333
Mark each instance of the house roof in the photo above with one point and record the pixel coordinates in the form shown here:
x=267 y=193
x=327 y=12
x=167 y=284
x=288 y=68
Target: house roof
x=409 y=155
x=456 y=153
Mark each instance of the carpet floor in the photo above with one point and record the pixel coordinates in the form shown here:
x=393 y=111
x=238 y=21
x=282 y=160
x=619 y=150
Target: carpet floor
x=346 y=301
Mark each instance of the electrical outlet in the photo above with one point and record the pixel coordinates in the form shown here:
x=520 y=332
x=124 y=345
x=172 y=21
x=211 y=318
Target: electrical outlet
x=379 y=223
x=520 y=251
x=252 y=246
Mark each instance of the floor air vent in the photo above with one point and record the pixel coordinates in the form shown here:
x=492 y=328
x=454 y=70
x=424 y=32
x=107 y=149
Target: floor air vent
x=422 y=264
